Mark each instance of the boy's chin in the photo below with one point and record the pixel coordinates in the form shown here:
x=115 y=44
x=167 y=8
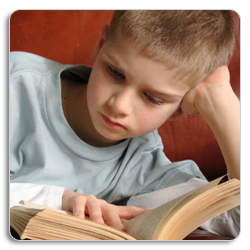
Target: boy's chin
x=110 y=138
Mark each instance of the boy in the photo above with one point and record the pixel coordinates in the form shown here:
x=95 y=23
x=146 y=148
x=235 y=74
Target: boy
x=84 y=146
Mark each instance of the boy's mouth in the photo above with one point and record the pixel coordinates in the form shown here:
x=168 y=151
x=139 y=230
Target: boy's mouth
x=114 y=125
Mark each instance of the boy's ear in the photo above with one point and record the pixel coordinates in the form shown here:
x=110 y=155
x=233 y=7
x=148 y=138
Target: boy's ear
x=105 y=29
x=176 y=115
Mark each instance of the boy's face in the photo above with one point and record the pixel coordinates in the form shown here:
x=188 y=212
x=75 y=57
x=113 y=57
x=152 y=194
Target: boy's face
x=128 y=94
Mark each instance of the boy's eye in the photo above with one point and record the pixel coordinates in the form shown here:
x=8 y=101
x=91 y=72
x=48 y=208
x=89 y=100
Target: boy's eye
x=153 y=99
x=115 y=73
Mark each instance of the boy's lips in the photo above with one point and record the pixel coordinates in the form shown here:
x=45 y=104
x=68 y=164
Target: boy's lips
x=114 y=125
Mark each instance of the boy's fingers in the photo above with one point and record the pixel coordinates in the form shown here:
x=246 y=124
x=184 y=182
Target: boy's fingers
x=130 y=212
x=94 y=210
x=112 y=217
x=100 y=211
x=79 y=207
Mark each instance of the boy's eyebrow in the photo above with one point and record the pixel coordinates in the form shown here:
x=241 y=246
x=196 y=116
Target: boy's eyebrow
x=166 y=95
x=116 y=62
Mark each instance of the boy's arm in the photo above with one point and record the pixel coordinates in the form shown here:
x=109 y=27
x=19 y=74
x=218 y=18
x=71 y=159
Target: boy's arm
x=215 y=100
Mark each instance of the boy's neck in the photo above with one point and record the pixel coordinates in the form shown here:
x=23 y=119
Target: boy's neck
x=76 y=112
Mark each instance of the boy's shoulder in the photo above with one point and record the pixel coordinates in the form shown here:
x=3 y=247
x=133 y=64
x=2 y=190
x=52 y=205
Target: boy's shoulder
x=24 y=61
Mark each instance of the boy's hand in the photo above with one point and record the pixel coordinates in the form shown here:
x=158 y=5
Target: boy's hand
x=215 y=100
x=98 y=210
x=209 y=93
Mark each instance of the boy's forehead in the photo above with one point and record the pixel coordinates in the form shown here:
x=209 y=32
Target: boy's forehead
x=177 y=68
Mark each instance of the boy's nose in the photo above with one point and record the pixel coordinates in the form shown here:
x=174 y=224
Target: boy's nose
x=122 y=103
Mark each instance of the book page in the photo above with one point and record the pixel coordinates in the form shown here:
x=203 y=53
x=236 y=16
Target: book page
x=191 y=206
x=205 y=215
x=146 y=226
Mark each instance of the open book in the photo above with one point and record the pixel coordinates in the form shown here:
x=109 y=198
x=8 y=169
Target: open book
x=171 y=221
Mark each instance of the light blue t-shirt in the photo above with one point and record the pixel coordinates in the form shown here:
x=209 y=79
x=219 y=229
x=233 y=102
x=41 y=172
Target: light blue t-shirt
x=45 y=150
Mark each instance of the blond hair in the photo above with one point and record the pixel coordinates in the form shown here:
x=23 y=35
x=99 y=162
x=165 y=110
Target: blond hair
x=193 y=43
